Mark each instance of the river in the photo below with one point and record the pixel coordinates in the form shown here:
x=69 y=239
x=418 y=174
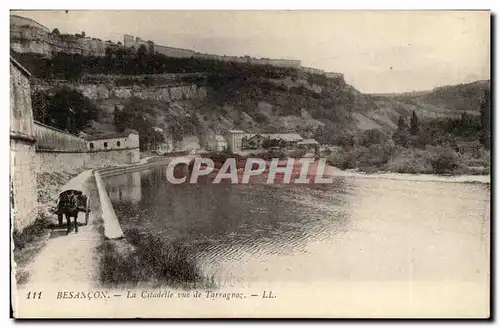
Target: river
x=355 y=229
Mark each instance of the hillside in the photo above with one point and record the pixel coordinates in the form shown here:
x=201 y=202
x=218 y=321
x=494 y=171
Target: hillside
x=199 y=97
x=445 y=101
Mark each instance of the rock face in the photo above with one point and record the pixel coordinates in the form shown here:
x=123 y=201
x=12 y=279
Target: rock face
x=289 y=83
x=29 y=38
x=105 y=91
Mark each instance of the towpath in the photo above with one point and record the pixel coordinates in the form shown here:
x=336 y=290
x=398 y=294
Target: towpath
x=69 y=259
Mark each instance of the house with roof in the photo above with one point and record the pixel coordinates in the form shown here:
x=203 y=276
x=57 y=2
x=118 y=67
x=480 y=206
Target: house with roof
x=289 y=139
x=309 y=144
x=109 y=149
x=254 y=141
x=113 y=141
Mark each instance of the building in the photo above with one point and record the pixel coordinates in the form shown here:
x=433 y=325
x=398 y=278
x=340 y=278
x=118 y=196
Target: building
x=309 y=144
x=217 y=143
x=113 y=141
x=254 y=141
x=117 y=142
x=234 y=140
x=23 y=193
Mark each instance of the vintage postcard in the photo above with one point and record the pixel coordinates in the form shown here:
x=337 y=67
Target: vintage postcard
x=250 y=164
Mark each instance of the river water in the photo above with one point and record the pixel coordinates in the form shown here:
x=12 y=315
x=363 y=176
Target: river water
x=356 y=229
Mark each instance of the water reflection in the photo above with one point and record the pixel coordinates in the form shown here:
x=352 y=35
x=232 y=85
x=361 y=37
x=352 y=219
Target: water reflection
x=353 y=229
x=125 y=188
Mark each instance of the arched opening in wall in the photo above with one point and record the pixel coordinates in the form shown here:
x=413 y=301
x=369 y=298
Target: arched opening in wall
x=91 y=145
x=118 y=143
x=105 y=144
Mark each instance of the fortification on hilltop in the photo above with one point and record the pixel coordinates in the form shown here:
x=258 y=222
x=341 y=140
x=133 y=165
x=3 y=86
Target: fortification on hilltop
x=28 y=35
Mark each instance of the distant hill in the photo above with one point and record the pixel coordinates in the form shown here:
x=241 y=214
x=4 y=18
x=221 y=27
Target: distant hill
x=445 y=101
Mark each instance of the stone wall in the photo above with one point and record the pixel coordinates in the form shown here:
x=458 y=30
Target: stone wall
x=56 y=161
x=50 y=138
x=100 y=159
x=71 y=162
x=21 y=114
x=102 y=91
x=173 y=52
x=23 y=193
x=290 y=63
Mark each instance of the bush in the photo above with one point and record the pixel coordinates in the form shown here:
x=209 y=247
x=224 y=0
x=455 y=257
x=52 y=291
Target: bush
x=151 y=260
x=370 y=158
x=432 y=160
x=31 y=232
x=373 y=137
x=410 y=161
x=297 y=153
x=444 y=160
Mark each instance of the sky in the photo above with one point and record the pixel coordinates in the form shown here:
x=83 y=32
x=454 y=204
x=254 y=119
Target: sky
x=377 y=51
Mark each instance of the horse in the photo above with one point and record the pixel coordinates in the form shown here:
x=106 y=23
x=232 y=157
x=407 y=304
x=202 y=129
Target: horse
x=68 y=206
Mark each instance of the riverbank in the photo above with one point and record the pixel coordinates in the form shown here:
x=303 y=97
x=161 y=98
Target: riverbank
x=336 y=172
x=140 y=258
x=439 y=160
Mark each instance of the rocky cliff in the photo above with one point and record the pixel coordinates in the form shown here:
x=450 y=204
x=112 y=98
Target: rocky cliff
x=34 y=39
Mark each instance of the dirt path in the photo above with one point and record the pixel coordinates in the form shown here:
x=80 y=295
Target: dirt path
x=69 y=259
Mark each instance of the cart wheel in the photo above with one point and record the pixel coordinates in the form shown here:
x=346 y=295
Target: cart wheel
x=87 y=211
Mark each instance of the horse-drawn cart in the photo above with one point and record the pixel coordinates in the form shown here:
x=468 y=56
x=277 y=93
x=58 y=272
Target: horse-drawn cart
x=70 y=203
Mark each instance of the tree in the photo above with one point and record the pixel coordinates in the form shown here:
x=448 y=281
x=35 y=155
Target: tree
x=67 y=109
x=40 y=105
x=142 y=59
x=401 y=124
x=414 y=124
x=400 y=137
x=56 y=32
x=485 y=109
x=83 y=34
x=373 y=137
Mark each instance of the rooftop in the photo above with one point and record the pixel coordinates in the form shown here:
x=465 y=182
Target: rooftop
x=110 y=136
x=308 y=142
x=283 y=136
